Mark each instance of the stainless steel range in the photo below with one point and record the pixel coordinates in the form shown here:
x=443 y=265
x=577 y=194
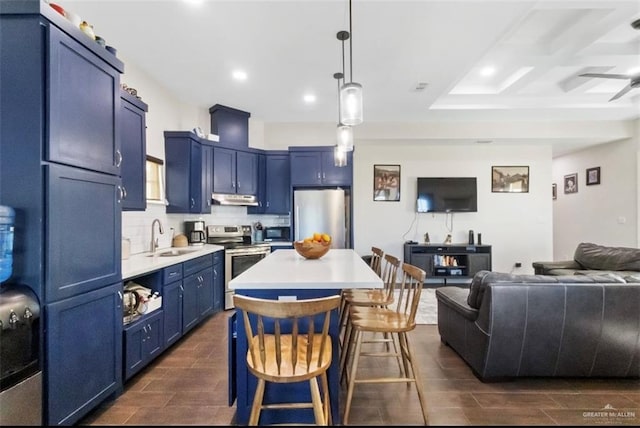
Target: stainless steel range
x=239 y=253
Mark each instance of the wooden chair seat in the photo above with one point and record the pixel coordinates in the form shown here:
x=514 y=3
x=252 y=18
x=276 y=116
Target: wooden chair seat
x=287 y=371
x=381 y=321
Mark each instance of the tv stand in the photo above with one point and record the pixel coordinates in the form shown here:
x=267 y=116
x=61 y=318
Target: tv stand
x=448 y=264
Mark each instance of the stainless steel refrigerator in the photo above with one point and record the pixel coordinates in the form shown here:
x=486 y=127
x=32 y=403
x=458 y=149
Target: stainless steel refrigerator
x=322 y=211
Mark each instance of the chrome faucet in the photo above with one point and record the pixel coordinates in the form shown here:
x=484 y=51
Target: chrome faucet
x=154 y=239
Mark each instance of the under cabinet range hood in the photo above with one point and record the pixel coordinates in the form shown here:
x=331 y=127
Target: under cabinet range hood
x=231 y=199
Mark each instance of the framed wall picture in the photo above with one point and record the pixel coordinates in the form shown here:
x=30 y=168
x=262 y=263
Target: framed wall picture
x=510 y=179
x=571 y=183
x=386 y=183
x=554 y=191
x=593 y=176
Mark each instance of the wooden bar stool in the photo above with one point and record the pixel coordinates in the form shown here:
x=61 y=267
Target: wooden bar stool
x=397 y=322
x=295 y=351
x=378 y=297
x=376 y=263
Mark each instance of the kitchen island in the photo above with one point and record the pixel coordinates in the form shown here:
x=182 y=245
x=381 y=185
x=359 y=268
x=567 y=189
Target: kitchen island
x=284 y=274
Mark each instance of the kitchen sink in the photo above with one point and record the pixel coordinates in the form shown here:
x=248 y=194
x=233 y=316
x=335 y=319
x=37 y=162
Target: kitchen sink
x=170 y=253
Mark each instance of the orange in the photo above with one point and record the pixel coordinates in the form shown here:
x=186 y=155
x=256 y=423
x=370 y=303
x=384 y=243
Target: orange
x=317 y=236
x=326 y=238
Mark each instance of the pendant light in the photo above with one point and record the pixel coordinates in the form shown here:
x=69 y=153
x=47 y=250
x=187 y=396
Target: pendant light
x=350 y=93
x=339 y=156
x=344 y=133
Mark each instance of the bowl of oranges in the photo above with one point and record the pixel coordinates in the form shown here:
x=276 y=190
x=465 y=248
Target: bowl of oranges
x=314 y=246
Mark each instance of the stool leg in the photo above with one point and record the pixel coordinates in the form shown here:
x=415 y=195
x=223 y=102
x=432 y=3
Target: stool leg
x=416 y=377
x=327 y=401
x=352 y=376
x=256 y=407
x=318 y=410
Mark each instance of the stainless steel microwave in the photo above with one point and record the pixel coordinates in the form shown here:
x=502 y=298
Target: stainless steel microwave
x=277 y=233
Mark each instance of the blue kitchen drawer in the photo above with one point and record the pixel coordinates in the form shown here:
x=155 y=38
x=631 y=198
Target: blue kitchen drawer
x=172 y=273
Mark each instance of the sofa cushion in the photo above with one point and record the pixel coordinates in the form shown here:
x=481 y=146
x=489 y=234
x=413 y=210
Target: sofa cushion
x=599 y=257
x=600 y=276
x=632 y=278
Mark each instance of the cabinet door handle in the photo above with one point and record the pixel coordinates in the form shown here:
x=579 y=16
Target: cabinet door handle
x=193 y=202
x=323 y=176
x=318 y=176
x=267 y=204
x=120 y=195
x=233 y=184
x=118 y=158
x=124 y=192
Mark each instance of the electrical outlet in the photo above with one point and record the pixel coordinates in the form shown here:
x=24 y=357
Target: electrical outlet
x=518 y=264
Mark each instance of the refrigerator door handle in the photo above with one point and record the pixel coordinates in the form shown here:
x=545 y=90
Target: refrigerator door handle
x=296 y=222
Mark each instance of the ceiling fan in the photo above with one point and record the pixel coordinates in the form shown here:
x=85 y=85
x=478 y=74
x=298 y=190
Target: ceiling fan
x=634 y=81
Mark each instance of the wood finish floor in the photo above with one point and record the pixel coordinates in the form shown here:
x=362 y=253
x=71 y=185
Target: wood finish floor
x=187 y=385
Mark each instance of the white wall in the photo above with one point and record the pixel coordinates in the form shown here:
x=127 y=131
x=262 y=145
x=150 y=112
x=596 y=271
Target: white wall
x=606 y=213
x=518 y=226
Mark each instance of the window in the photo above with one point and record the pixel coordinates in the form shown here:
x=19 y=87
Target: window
x=155 y=180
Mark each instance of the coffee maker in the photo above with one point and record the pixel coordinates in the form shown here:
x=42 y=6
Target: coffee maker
x=195 y=232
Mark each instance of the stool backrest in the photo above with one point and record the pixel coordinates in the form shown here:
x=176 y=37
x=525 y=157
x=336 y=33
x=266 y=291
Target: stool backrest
x=282 y=322
x=389 y=273
x=376 y=260
x=410 y=288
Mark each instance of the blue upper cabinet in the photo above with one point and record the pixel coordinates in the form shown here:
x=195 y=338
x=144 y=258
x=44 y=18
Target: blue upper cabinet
x=224 y=170
x=235 y=171
x=133 y=139
x=278 y=184
x=231 y=125
x=84 y=95
x=189 y=164
x=314 y=166
x=247 y=173
x=274 y=188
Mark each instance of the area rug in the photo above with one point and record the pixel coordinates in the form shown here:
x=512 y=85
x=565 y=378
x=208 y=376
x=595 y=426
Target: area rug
x=428 y=307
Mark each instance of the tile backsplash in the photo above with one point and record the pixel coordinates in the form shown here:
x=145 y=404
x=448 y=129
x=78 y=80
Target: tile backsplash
x=136 y=225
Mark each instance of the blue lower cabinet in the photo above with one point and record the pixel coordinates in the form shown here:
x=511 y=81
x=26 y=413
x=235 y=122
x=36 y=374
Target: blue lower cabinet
x=143 y=341
x=218 y=281
x=197 y=298
x=83 y=366
x=172 y=311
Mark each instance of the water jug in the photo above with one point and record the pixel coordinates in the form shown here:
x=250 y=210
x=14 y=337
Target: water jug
x=7 y=216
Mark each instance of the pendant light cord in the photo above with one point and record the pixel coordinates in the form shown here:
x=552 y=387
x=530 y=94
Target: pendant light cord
x=350 y=46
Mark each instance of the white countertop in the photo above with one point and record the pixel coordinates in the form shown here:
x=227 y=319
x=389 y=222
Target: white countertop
x=139 y=264
x=286 y=269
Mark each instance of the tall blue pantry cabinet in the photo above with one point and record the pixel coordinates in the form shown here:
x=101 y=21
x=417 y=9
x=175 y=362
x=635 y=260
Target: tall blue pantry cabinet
x=60 y=169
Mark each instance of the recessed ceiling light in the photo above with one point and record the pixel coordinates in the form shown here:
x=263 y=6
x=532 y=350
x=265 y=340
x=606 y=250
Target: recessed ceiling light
x=484 y=141
x=488 y=71
x=309 y=98
x=239 y=75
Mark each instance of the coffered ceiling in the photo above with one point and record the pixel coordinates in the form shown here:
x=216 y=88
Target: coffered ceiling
x=418 y=61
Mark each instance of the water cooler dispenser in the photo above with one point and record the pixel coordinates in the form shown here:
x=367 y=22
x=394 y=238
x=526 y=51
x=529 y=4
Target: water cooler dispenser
x=20 y=374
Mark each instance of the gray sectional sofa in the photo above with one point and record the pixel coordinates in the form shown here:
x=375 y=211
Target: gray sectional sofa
x=593 y=259
x=507 y=325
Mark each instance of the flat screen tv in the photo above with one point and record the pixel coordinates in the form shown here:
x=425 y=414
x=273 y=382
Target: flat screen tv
x=447 y=194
